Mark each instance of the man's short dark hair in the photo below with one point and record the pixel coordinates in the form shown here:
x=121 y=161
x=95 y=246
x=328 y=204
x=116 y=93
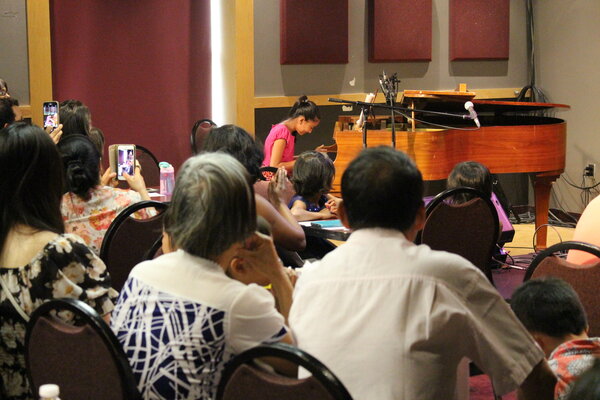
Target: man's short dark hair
x=7 y=114
x=549 y=306
x=382 y=188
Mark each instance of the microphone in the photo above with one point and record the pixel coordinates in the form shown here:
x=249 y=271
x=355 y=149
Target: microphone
x=472 y=113
x=361 y=120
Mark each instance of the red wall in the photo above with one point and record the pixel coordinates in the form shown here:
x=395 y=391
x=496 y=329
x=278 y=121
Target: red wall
x=142 y=67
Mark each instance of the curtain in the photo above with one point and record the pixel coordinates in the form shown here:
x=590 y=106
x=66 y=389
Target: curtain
x=142 y=67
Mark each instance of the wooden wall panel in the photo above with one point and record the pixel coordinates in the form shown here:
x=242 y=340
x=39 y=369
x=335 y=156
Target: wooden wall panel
x=314 y=31
x=479 y=30
x=399 y=30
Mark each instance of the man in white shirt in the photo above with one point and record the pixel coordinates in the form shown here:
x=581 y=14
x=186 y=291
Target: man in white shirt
x=392 y=319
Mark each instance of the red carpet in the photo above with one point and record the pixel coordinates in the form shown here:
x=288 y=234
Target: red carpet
x=480 y=388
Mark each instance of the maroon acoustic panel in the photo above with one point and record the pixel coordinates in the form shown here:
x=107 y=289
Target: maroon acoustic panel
x=399 y=30
x=314 y=31
x=479 y=29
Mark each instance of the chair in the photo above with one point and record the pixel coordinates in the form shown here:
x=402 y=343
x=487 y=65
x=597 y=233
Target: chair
x=149 y=164
x=83 y=357
x=243 y=379
x=469 y=229
x=128 y=240
x=155 y=250
x=199 y=132
x=584 y=279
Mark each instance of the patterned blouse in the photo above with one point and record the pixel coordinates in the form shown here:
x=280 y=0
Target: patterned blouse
x=64 y=268
x=571 y=359
x=90 y=219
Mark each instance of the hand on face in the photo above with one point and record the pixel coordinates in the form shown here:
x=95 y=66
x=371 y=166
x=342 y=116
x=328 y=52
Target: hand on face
x=259 y=257
x=277 y=186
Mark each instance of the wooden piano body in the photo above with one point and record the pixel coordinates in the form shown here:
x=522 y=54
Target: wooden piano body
x=507 y=142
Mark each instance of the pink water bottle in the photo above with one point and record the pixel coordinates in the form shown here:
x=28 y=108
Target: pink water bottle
x=167 y=178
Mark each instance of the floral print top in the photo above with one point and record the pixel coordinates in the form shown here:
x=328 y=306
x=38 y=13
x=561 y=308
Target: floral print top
x=64 y=268
x=90 y=219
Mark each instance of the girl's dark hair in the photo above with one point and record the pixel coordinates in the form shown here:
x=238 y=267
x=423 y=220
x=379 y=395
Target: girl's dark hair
x=313 y=174
x=81 y=162
x=31 y=180
x=303 y=107
x=470 y=174
x=235 y=141
x=74 y=117
x=97 y=137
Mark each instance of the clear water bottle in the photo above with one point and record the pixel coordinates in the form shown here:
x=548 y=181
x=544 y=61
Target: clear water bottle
x=167 y=178
x=49 y=391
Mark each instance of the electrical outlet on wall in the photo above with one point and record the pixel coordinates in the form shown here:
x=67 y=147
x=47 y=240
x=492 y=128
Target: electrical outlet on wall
x=590 y=170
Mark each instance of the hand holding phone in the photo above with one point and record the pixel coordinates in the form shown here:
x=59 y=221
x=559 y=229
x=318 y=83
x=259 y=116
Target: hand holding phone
x=122 y=159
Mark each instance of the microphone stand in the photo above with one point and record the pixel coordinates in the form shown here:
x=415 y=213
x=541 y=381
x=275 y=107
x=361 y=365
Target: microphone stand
x=389 y=86
x=365 y=106
x=365 y=110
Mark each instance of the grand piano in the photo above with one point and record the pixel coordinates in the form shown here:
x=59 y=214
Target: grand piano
x=513 y=138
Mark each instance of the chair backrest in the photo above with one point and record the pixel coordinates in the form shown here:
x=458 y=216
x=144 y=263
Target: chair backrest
x=83 y=357
x=149 y=164
x=242 y=379
x=155 y=250
x=585 y=279
x=469 y=229
x=128 y=240
x=199 y=132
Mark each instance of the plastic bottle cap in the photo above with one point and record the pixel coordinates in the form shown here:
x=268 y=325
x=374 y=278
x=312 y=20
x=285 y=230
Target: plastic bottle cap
x=164 y=164
x=49 y=390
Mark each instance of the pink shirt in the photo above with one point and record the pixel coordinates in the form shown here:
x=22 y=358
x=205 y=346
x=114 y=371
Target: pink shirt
x=279 y=131
x=587 y=230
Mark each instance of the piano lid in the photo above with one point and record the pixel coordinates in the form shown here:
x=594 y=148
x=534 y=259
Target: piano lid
x=453 y=101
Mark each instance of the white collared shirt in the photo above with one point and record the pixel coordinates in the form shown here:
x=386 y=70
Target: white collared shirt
x=393 y=320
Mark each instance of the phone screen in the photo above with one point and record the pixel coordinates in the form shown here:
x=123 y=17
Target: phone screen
x=51 y=114
x=125 y=160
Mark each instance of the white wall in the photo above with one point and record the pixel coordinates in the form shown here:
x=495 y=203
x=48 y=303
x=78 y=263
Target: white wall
x=568 y=58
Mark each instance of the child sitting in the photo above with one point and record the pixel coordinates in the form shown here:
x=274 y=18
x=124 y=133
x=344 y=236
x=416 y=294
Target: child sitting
x=551 y=311
x=312 y=178
x=470 y=174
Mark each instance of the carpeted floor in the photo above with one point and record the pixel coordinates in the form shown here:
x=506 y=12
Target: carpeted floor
x=480 y=388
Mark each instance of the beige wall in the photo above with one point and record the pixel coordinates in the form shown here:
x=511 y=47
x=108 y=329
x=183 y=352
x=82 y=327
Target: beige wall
x=568 y=59
x=13 y=48
x=273 y=79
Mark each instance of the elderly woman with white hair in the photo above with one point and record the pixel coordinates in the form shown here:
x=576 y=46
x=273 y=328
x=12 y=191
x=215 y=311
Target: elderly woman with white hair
x=181 y=317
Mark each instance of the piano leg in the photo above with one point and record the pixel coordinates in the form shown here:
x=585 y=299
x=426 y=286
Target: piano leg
x=542 y=185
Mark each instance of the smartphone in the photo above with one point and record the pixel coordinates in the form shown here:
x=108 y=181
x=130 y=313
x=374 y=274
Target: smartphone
x=50 y=114
x=122 y=159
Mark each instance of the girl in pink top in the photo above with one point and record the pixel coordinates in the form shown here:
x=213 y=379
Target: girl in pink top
x=303 y=117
